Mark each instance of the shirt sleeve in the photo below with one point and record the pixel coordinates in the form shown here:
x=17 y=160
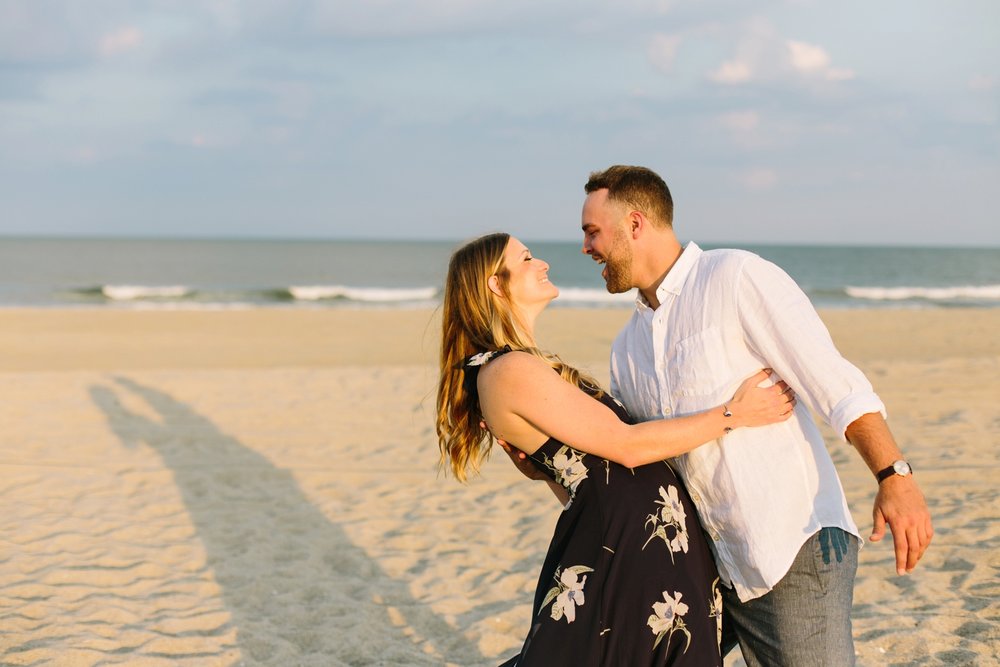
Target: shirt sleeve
x=782 y=328
x=614 y=376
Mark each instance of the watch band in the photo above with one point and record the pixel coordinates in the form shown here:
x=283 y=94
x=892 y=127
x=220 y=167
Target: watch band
x=886 y=473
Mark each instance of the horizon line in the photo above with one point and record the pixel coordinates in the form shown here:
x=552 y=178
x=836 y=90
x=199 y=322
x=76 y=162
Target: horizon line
x=333 y=239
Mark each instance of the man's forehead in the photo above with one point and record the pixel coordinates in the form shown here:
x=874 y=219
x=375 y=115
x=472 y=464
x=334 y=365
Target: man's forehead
x=595 y=208
x=598 y=195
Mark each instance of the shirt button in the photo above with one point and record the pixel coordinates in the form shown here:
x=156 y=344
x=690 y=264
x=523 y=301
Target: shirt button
x=695 y=497
x=715 y=536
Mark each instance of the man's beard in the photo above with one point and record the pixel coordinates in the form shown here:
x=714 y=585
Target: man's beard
x=618 y=265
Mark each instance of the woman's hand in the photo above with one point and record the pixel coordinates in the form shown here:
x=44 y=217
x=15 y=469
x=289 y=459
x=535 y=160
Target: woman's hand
x=760 y=406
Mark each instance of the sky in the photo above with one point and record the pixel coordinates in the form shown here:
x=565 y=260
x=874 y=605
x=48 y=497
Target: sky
x=792 y=121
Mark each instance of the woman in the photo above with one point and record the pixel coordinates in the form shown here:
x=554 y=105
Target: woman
x=628 y=578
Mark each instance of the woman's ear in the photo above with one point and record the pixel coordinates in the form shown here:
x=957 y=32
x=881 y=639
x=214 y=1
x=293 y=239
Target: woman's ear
x=493 y=282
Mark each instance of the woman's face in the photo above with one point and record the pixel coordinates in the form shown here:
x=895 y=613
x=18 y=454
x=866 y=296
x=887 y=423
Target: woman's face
x=528 y=284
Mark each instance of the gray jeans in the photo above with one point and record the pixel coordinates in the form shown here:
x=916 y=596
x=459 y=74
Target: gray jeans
x=806 y=618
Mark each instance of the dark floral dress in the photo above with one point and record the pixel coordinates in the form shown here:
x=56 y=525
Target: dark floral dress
x=628 y=578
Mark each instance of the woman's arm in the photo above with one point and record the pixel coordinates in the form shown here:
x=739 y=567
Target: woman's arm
x=525 y=404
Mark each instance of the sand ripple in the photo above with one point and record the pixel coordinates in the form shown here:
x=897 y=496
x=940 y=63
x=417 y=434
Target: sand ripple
x=294 y=517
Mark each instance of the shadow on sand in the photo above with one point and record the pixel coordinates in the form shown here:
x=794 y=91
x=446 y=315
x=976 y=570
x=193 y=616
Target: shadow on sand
x=298 y=591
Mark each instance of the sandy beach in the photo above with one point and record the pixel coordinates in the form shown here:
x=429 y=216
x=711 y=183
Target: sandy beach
x=260 y=487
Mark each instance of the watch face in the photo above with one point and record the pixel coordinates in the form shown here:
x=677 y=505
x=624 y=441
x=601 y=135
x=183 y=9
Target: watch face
x=901 y=467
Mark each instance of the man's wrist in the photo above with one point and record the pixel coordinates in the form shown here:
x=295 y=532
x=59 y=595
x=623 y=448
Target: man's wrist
x=898 y=468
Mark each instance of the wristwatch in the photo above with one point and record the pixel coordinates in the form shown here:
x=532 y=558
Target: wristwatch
x=901 y=468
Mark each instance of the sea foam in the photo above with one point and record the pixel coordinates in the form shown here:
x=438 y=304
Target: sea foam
x=133 y=292
x=582 y=295
x=365 y=294
x=962 y=292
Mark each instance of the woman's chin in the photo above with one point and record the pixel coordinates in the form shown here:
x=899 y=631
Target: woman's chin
x=548 y=301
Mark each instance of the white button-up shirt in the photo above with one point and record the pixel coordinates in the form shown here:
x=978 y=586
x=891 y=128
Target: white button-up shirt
x=760 y=492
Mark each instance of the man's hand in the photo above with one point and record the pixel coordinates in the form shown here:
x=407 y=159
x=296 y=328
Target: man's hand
x=522 y=462
x=519 y=458
x=900 y=504
x=899 y=501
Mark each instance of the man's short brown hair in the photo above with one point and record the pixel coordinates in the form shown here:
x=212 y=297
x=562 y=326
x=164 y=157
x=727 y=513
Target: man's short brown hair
x=637 y=187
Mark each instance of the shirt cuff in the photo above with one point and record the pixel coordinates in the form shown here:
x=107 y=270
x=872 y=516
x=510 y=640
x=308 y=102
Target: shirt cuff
x=852 y=407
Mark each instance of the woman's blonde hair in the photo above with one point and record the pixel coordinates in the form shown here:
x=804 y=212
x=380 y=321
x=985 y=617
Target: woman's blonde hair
x=476 y=320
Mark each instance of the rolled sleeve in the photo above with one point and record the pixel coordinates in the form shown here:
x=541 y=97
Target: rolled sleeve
x=851 y=408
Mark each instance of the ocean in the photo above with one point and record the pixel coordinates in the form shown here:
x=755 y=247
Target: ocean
x=231 y=274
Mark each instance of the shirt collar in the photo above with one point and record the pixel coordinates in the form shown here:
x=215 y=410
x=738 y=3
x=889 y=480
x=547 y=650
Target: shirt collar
x=674 y=280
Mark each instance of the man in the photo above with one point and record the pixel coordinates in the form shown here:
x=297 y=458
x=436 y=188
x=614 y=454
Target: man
x=768 y=498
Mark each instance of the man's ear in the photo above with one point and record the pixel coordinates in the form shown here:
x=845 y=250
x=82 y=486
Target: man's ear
x=493 y=282
x=637 y=223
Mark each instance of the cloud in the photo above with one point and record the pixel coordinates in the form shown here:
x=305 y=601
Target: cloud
x=432 y=17
x=758 y=178
x=810 y=59
x=762 y=54
x=662 y=51
x=120 y=41
x=39 y=33
x=743 y=129
x=652 y=6
x=277 y=19
x=84 y=155
x=839 y=74
x=807 y=57
x=740 y=121
x=754 y=53
x=733 y=71
x=982 y=83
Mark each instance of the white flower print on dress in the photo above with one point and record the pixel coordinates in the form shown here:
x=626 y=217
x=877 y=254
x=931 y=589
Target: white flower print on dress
x=479 y=359
x=670 y=515
x=715 y=610
x=568 y=468
x=568 y=592
x=666 y=619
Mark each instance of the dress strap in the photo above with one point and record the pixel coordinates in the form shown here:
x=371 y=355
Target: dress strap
x=471 y=366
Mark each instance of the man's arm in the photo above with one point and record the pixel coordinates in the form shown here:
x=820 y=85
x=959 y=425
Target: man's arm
x=899 y=501
x=784 y=329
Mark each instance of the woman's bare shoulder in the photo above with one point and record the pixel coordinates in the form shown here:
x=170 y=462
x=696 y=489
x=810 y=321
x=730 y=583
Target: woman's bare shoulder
x=513 y=367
